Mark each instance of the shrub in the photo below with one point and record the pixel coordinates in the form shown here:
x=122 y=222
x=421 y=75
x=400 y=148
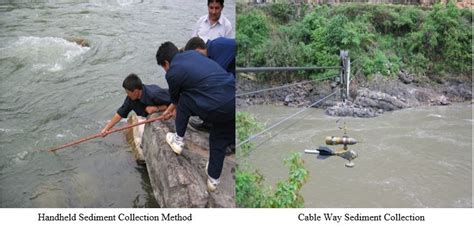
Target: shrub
x=282 y=12
x=382 y=38
x=246 y=125
x=252 y=33
x=250 y=190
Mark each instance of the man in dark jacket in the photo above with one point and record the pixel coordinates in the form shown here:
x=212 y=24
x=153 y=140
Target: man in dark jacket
x=221 y=50
x=199 y=86
x=143 y=99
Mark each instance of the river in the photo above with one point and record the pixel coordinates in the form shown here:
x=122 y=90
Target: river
x=413 y=158
x=54 y=91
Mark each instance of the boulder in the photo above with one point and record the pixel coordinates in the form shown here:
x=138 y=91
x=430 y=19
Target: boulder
x=405 y=77
x=179 y=181
x=347 y=108
x=79 y=41
x=378 y=100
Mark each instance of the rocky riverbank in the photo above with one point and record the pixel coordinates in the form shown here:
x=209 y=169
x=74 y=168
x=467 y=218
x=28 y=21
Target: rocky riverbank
x=180 y=180
x=368 y=98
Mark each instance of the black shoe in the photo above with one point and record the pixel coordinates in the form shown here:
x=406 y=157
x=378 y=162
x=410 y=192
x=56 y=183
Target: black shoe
x=199 y=125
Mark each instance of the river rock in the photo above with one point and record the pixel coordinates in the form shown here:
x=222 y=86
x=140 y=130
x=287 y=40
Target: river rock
x=288 y=99
x=348 y=108
x=370 y=98
x=458 y=92
x=405 y=77
x=378 y=100
x=179 y=181
x=79 y=41
x=240 y=102
x=368 y=103
x=293 y=96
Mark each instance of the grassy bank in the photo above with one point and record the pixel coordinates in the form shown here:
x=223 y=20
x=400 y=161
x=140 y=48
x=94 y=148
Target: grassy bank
x=381 y=39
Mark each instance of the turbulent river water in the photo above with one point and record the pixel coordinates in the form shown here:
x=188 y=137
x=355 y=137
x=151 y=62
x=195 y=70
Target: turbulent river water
x=53 y=91
x=418 y=157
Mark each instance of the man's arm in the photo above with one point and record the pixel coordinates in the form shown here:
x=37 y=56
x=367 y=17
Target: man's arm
x=229 y=31
x=115 y=119
x=160 y=99
x=162 y=107
x=197 y=26
x=153 y=109
x=169 y=112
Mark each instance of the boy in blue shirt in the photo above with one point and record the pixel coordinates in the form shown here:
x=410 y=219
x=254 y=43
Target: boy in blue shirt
x=199 y=86
x=143 y=99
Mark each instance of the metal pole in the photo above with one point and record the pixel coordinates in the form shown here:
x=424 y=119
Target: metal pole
x=348 y=74
x=344 y=55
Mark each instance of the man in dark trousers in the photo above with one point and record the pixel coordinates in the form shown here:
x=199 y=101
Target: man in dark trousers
x=221 y=50
x=199 y=86
x=143 y=99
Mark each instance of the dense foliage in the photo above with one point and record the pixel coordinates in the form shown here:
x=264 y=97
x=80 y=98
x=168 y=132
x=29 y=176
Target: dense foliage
x=250 y=190
x=381 y=39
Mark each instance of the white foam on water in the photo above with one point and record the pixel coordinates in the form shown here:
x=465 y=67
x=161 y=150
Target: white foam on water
x=20 y=157
x=46 y=53
x=56 y=68
x=125 y=2
x=6 y=130
x=435 y=115
x=114 y=5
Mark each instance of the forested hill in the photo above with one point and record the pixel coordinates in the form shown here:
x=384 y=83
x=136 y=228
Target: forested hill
x=382 y=39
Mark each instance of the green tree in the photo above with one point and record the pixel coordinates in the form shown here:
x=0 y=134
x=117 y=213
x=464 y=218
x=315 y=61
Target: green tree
x=252 y=34
x=250 y=189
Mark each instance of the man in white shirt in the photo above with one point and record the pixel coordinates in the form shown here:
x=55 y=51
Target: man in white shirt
x=213 y=25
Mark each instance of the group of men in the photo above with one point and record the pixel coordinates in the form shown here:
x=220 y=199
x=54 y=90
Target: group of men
x=201 y=82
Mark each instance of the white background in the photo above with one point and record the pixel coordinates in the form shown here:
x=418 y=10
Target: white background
x=240 y=218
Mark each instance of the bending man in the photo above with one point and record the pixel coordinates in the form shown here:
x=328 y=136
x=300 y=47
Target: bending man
x=199 y=86
x=143 y=99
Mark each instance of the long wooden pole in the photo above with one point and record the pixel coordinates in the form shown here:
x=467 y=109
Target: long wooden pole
x=100 y=135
